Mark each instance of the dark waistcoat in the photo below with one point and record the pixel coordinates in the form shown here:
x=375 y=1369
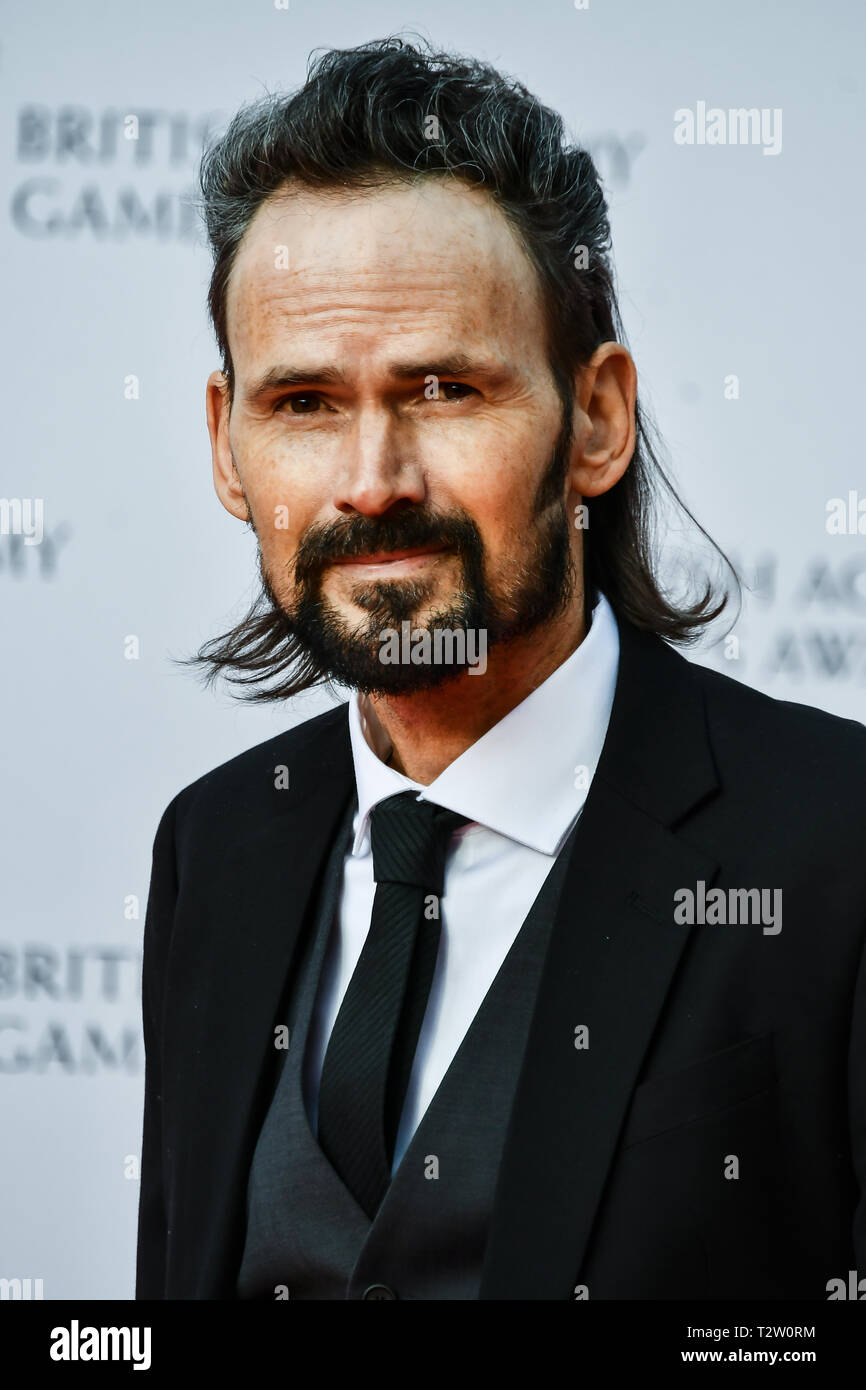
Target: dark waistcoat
x=306 y=1235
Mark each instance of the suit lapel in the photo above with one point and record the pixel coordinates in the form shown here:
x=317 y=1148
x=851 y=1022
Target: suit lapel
x=612 y=955
x=230 y=963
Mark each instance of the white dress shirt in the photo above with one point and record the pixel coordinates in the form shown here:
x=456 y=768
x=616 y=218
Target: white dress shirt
x=523 y=784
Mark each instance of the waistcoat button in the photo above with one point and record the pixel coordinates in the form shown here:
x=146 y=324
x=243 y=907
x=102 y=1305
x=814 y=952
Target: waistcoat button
x=379 y=1291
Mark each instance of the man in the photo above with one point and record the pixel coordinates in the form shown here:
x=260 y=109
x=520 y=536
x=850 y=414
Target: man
x=533 y=971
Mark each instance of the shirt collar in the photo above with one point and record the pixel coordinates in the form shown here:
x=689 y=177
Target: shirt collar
x=528 y=776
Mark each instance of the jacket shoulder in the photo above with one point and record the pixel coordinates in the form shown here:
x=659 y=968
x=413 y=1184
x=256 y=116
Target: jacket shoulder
x=792 y=743
x=243 y=785
x=724 y=693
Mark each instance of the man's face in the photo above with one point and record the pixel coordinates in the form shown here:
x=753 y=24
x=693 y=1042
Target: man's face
x=395 y=425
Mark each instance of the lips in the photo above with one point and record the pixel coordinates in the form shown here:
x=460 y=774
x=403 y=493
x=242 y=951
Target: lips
x=389 y=557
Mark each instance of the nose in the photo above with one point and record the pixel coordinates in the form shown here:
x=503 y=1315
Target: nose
x=379 y=467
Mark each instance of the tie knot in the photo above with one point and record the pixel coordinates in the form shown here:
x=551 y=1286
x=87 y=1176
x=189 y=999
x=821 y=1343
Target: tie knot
x=409 y=839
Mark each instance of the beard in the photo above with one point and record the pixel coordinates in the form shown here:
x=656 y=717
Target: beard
x=539 y=586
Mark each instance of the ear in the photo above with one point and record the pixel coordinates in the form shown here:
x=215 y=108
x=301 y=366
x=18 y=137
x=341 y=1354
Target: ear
x=225 y=475
x=604 y=424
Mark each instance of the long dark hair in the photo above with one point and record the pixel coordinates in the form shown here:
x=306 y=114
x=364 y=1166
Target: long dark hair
x=399 y=110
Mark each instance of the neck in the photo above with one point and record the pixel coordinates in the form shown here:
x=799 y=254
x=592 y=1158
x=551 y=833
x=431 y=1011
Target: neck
x=428 y=729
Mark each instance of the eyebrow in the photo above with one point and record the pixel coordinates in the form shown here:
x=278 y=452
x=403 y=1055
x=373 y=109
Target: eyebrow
x=277 y=377
x=458 y=364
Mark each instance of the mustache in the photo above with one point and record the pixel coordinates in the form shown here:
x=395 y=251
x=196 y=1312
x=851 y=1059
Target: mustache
x=352 y=537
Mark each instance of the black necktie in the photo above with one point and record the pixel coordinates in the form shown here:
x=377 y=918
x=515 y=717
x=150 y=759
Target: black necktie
x=369 y=1056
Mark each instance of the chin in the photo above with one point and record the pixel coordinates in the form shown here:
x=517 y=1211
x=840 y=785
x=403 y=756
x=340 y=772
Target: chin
x=405 y=681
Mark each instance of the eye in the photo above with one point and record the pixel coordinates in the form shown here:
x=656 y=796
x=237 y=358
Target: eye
x=306 y=403
x=455 y=390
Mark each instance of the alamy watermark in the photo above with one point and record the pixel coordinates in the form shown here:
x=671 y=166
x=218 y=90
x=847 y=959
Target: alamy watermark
x=23 y=516
x=739 y=125
x=736 y=906
x=21 y=1289
x=851 y=1288
x=76 y=1343
x=443 y=647
x=846 y=517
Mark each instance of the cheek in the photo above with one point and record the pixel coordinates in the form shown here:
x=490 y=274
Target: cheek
x=280 y=507
x=497 y=493
x=491 y=470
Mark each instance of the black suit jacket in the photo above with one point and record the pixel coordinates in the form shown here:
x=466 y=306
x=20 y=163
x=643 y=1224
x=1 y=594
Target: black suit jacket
x=710 y=1141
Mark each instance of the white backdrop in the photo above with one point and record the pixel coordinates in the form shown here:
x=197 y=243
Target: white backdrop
x=732 y=263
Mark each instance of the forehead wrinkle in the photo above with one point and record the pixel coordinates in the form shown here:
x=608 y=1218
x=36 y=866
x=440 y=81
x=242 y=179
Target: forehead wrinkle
x=437 y=316
x=414 y=305
x=421 y=297
x=372 y=284
x=431 y=255
x=378 y=294
x=463 y=281
x=344 y=343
